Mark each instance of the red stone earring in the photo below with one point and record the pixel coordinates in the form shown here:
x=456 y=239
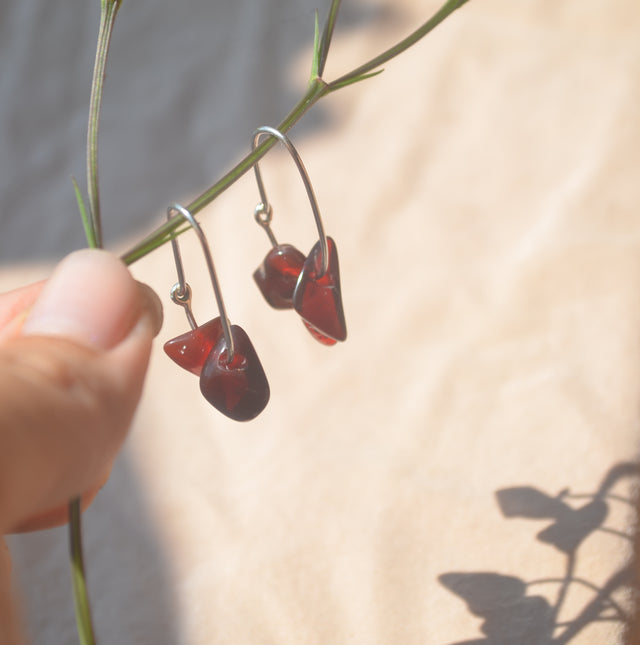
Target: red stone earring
x=286 y=278
x=231 y=376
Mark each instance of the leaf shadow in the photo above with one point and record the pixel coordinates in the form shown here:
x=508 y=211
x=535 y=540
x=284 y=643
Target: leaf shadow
x=510 y=615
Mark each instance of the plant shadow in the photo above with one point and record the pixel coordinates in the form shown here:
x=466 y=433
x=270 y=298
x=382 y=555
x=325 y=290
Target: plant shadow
x=510 y=609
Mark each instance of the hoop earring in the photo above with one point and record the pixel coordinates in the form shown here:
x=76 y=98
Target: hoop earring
x=232 y=378
x=286 y=278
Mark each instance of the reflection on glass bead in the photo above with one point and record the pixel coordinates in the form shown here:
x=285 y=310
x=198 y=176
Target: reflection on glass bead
x=190 y=350
x=321 y=338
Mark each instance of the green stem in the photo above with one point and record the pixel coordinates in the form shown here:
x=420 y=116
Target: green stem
x=316 y=90
x=80 y=596
x=109 y=10
x=446 y=10
x=327 y=35
x=93 y=230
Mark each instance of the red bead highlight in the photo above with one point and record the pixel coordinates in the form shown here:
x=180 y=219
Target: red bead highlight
x=321 y=338
x=190 y=350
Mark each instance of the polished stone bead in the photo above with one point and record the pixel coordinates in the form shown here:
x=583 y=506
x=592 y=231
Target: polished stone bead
x=278 y=274
x=239 y=388
x=317 y=298
x=190 y=350
x=321 y=338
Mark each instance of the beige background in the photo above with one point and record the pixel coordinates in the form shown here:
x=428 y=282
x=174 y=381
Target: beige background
x=462 y=470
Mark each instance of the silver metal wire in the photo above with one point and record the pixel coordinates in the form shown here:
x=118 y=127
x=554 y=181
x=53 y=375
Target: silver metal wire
x=181 y=291
x=264 y=212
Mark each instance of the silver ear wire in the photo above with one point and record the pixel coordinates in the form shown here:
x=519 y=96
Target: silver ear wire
x=181 y=291
x=264 y=212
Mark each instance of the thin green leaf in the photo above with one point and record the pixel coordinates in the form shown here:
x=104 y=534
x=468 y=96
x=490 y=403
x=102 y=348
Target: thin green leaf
x=350 y=81
x=86 y=220
x=109 y=10
x=444 y=12
x=327 y=35
x=143 y=249
x=315 y=63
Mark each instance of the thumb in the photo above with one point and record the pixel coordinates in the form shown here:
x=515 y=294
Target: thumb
x=70 y=384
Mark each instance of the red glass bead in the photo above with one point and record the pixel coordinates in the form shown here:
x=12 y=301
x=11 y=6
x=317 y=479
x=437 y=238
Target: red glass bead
x=278 y=274
x=321 y=338
x=239 y=389
x=190 y=350
x=318 y=298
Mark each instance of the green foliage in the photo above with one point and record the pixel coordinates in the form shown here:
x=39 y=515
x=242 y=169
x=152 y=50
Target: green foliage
x=80 y=596
x=86 y=219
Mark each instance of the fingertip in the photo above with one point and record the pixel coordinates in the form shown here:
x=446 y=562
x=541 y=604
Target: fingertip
x=91 y=298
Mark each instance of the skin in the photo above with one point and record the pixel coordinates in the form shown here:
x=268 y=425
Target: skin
x=73 y=356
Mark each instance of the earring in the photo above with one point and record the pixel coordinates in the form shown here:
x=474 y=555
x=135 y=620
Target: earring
x=286 y=278
x=232 y=378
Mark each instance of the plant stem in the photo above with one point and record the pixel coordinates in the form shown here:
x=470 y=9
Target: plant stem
x=80 y=597
x=93 y=230
x=108 y=12
x=327 y=35
x=446 y=10
x=316 y=90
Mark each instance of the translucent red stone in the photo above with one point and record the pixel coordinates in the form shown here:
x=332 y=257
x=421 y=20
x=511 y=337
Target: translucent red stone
x=317 y=298
x=239 y=389
x=190 y=350
x=321 y=338
x=278 y=274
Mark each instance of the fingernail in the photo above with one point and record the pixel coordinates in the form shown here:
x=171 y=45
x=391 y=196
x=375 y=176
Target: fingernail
x=90 y=298
x=151 y=308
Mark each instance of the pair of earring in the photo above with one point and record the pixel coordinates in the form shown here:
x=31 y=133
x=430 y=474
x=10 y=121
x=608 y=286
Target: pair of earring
x=231 y=375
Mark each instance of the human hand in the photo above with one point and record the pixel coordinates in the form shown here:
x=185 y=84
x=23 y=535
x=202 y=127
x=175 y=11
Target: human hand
x=73 y=355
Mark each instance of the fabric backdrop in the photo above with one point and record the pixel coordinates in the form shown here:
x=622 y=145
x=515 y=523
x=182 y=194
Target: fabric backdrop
x=463 y=469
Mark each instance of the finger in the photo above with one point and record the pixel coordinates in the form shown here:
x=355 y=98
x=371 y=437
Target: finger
x=59 y=515
x=70 y=384
x=14 y=307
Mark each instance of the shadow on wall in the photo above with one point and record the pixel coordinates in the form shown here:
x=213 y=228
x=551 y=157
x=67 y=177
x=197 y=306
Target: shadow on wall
x=130 y=584
x=511 y=610
x=187 y=84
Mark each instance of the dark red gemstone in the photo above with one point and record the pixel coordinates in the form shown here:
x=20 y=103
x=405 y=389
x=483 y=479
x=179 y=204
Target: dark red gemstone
x=321 y=338
x=317 y=298
x=190 y=350
x=278 y=274
x=239 y=389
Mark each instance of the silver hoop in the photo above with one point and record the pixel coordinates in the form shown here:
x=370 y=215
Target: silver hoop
x=181 y=291
x=264 y=212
